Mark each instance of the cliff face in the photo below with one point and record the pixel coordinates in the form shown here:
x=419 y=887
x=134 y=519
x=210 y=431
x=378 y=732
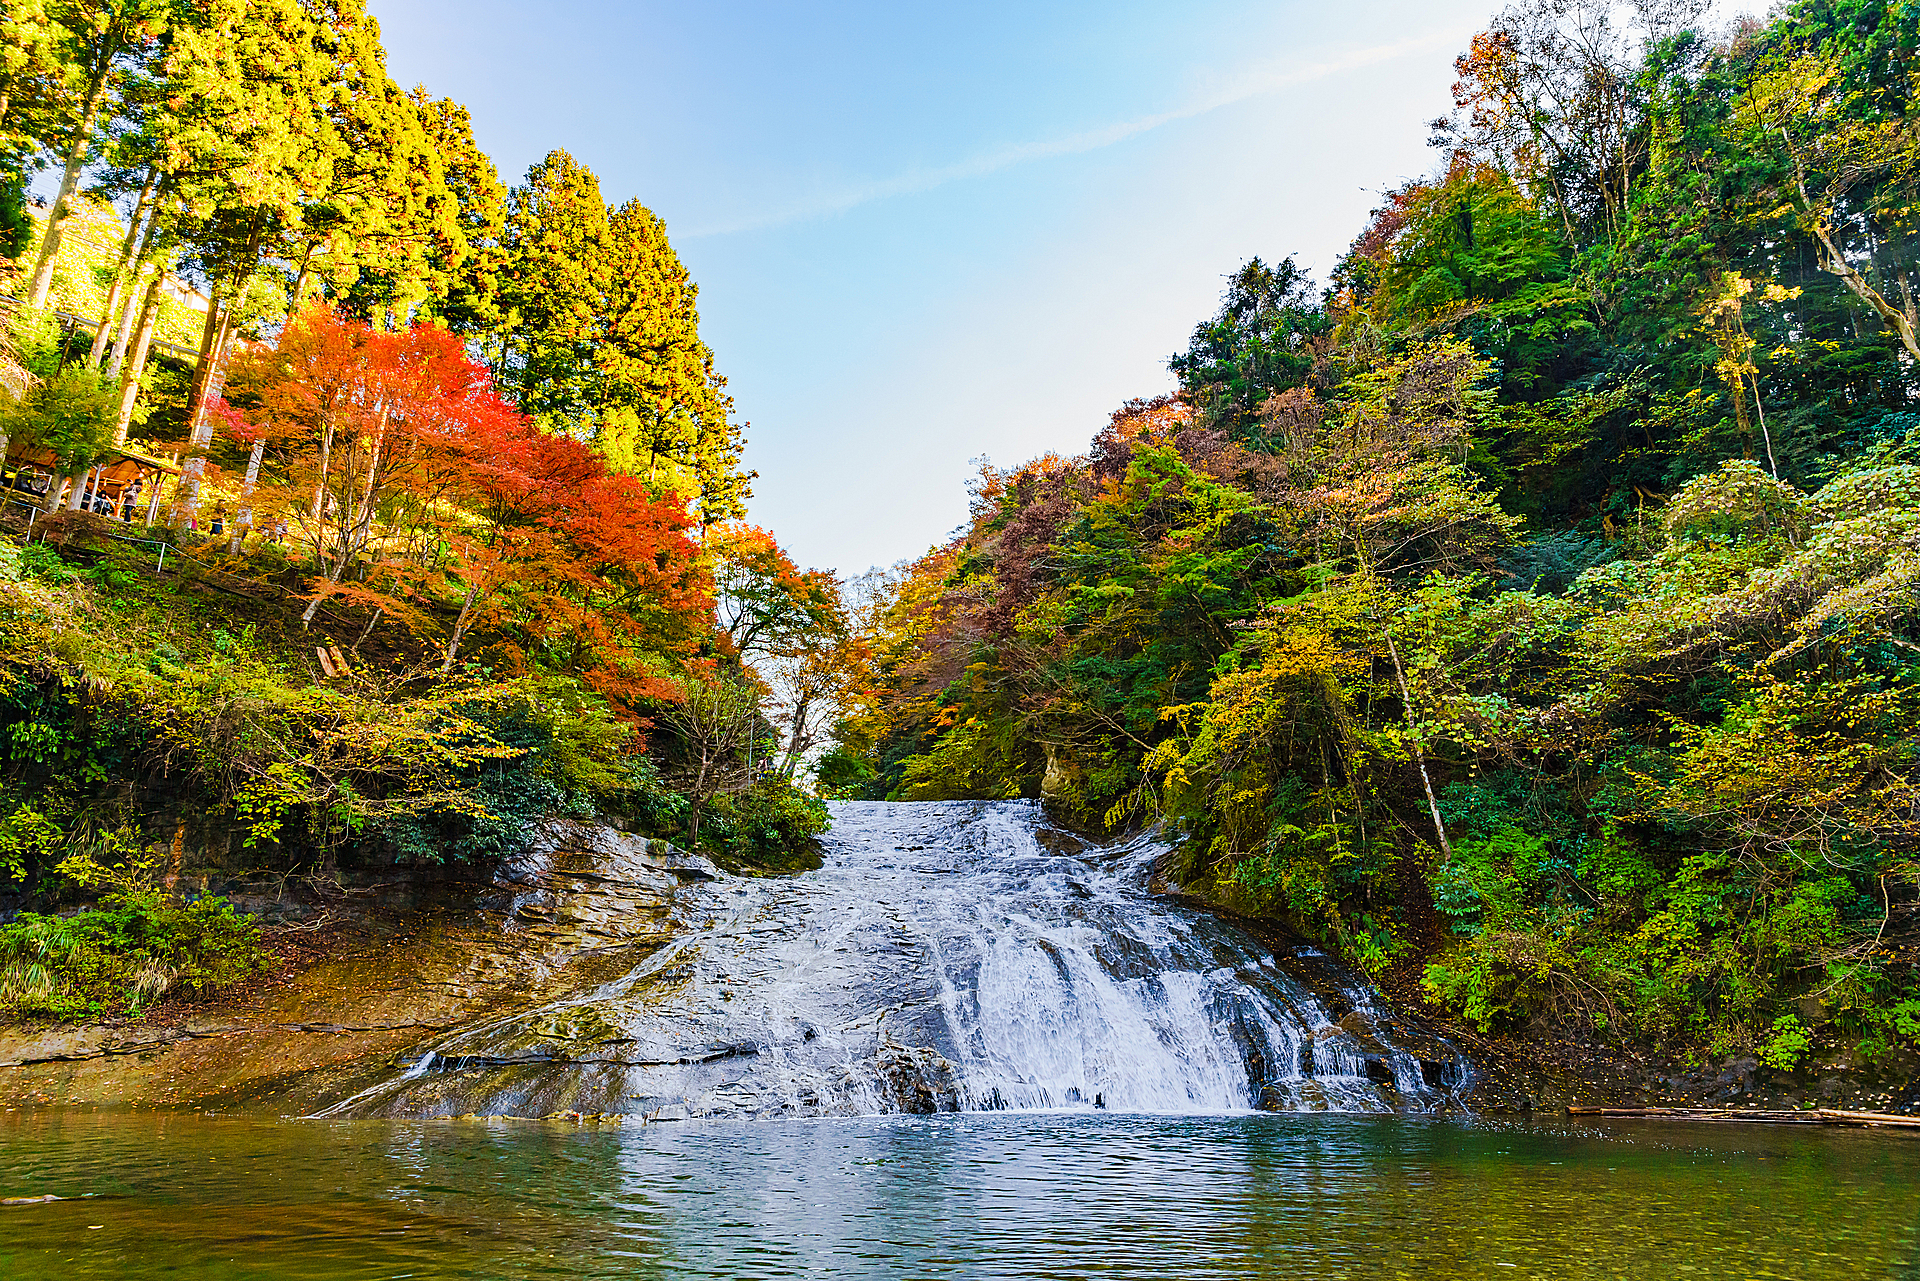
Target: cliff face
x=371 y=970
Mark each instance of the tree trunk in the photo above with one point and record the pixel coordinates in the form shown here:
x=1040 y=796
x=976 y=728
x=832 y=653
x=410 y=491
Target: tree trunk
x=343 y=553
x=135 y=369
x=108 y=309
x=123 y=336
x=364 y=525
x=326 y=459
x=1766 y=437
x=245 y=520
x=299 y=284
x=802 y=708
x=141 y=259
x=120 y=271
x=203 y=359
x=206 y=385
x=698 y=797
x=1900 y=320
x=1419 y=755
x=1827 y=254
x=87 y=480
x=42 y=283
x=209 y=374
x=693 y=819
x=460 y=626
x=333 y=577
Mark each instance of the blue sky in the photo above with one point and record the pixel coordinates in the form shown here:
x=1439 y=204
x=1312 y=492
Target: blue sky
x=929 y=233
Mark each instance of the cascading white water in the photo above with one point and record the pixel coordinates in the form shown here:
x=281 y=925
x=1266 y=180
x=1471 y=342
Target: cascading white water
x=960 y=955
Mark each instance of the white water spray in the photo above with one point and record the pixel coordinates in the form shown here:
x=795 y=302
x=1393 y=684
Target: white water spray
x=949 y=956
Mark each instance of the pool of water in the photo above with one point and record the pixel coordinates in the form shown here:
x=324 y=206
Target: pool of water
x=964 y=1195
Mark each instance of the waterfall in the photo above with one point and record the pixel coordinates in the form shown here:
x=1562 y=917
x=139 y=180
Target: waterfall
x=948 y=956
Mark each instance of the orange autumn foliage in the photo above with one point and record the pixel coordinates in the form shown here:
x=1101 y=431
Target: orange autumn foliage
x=422 y=496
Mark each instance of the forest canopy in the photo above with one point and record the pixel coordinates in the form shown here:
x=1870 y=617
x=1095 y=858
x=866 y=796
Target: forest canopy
x=1527 y=610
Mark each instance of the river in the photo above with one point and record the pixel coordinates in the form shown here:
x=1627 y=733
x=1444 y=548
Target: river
x=1005 y=1194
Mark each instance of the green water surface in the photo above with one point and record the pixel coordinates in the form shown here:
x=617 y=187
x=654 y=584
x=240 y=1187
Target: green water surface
x=1004 y=1195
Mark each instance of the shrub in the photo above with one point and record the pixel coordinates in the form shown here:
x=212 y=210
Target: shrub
x=1549 y=564
x=769 y=828
x=71 y=415
x=137 y=945
x=496 y=803
x=1789 y=1045
x=1501 y=978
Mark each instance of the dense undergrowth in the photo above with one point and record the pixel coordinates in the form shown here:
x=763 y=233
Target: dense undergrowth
x=137 y=945
x=146 y=713
x=1531 y=613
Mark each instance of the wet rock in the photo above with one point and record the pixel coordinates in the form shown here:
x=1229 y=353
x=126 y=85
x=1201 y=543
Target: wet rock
x=1057 y=780
x=671 y=858
x=1735 y=1078
x=917 y=1081
x=1011 y=964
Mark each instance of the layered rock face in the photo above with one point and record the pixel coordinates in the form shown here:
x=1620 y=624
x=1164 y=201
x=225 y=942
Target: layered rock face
x=948 y=956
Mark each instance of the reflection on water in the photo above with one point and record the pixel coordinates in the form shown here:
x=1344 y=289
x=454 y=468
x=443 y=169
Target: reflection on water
x=1006 y=1195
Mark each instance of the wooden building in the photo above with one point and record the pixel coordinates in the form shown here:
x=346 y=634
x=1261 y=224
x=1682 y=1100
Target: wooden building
x=124 y=487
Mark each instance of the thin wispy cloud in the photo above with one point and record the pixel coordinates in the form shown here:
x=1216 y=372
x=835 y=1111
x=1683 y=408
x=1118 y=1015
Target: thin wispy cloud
x=1245 y=85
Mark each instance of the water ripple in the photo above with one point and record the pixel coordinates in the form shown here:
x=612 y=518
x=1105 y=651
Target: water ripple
x=1006 y=1195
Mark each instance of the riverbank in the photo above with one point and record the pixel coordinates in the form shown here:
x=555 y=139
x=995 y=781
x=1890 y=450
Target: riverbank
x=371 y=975
x=367 y=975
x=1550 y=1067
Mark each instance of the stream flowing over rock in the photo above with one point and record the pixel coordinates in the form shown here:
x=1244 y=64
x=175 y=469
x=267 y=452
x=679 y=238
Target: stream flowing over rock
x=948 y=957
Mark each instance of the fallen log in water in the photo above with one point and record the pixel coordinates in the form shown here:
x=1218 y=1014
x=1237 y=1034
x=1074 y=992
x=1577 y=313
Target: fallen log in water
x=1804 y=1116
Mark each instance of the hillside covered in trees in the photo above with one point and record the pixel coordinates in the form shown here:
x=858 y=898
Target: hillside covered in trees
x=1528 y=609
x=361 y=512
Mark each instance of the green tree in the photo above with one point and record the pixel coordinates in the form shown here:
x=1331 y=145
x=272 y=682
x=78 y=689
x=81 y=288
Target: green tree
x=467 y=301
x=717 y=722
x=69 y=414
x=388 y=232
x=661 y=374
x=30 y=74
x=1259 y=343
x=552 y=279
x=96 y=44
x=249 y=122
